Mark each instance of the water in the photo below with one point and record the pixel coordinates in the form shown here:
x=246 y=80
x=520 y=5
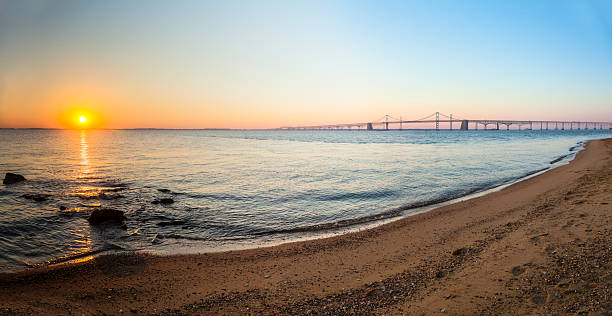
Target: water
x=235 y=188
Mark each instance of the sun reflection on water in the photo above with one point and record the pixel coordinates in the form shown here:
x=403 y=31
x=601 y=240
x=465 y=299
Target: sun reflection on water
x=82 y=234
x=84 y=154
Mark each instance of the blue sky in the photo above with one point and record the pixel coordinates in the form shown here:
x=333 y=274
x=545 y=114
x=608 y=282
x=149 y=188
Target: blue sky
x=272 y=63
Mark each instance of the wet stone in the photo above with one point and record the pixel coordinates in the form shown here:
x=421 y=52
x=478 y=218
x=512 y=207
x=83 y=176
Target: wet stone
x=461 y=251
x=518 y=270
x=163 y=201
x=106 y=215
x=12 y=178
x=35 y=197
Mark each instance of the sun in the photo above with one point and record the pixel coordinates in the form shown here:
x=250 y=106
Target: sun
x=79 y=118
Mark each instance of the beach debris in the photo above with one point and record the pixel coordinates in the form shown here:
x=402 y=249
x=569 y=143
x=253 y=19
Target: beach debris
x=518 y=270
x=11 y=178
x=461 y=251
x=266 y=276
x=164 y=190
x=154 y=238
x=538 y=299
x=163 y=201
x=104 y=215
x=35 y=196
x=63 y=208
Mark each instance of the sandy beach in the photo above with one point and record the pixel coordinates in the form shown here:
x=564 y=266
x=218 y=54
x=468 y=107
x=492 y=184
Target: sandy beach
x=541 y=246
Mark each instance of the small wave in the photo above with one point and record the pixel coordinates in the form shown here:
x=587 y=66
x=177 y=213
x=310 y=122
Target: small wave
x=177 y=236
x=396 y=211
x=554 y=161
x=531 y=173
x=81 y=255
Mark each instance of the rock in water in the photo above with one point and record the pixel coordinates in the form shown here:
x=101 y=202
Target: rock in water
x=104 y=215
x=35 y=196
x=11 y=178
x=166 y=201
x=163 y=201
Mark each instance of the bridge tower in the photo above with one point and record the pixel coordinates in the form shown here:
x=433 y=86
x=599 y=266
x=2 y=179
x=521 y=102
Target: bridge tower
x=437 y=121
x=451 y=122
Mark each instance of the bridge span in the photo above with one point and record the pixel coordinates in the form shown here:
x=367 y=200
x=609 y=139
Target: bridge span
x=442 y=121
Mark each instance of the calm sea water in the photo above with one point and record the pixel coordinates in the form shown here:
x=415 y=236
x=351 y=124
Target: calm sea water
x=233 y=188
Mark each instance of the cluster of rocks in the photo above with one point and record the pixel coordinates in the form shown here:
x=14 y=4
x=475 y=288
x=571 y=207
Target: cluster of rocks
x=98 y=216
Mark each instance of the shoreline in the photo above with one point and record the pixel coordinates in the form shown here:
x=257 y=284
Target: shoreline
x=310 y=233
x=307 y=233
x=391 y=268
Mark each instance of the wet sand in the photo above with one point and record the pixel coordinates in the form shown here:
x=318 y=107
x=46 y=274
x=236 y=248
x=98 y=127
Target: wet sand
x=541 y=246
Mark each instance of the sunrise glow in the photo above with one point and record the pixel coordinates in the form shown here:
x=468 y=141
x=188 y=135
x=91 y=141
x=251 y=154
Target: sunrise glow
x=82 y=119
x=272 y=64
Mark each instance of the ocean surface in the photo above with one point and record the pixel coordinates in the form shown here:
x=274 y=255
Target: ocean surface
x=236 y=189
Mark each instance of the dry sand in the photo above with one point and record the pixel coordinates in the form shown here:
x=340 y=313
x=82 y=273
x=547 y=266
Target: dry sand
x=541 y=246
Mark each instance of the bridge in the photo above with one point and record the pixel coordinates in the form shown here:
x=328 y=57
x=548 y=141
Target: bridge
x=442 y=121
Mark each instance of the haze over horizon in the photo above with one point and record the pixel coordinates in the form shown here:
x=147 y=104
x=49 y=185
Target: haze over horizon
x=265 y=64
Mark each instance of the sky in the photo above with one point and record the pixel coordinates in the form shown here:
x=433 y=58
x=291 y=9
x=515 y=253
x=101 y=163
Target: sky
x=265 y=64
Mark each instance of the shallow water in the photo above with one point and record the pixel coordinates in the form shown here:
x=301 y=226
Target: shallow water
x=232 y=186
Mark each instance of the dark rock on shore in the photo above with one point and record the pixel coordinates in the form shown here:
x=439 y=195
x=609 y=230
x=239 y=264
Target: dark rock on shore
x=518 y=270
x=163 y=201
x=461 y=251
x=106 y=215
x=11 y=178
x=164 y=190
